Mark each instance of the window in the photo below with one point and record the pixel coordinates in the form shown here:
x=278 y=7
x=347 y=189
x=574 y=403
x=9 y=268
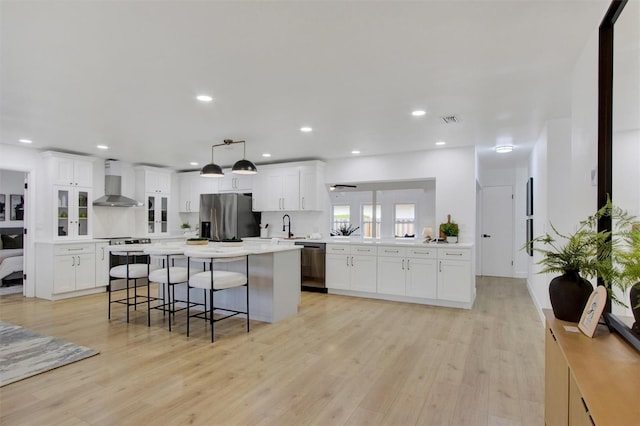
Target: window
x=367 y=220
x=341 y=217
x=405 y=218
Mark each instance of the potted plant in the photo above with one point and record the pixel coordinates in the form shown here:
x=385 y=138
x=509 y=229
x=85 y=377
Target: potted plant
x=344 y=230
x=629 y=260
x=587 y=253
x=570 y=255
x=450 y=231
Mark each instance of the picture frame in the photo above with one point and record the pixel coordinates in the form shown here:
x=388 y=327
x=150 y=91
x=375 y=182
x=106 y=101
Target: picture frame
x=593 y=310
x=530 y=197
x=17 y=207
x=530 y=236
x=3 y=203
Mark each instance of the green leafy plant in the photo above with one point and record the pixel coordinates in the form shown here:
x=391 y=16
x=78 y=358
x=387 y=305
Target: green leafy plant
x=185 y=225
x=611 y=255
x=344 y=230
x=450 y=229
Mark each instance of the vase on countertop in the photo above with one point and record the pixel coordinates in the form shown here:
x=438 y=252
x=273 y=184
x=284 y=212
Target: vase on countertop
x=452 y=240
x=569 y=294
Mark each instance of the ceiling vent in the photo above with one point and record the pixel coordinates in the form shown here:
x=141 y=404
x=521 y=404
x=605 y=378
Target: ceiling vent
x=450 y=119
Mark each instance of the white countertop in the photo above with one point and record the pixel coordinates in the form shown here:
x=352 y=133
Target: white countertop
x=178 y=247
x=359 y=240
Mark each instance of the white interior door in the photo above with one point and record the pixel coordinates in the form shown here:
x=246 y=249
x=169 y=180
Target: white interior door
x=497 y=231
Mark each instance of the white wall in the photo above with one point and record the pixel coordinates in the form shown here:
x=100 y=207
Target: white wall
x=453 y=170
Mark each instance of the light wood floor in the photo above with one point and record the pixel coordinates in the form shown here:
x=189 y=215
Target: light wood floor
x=340 y=361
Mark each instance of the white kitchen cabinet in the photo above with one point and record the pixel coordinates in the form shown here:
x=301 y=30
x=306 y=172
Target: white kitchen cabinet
x=157 y=212
x=72 y=215
x=66 y=270
x=153 y=186
x=279 y=190
x=192 y=185
x=311 y=186
x=156 y=181
x=406 y=271
x=455 y=282
x=232 y=182
x=72 y=171
x=102 y=265
x=351 y=267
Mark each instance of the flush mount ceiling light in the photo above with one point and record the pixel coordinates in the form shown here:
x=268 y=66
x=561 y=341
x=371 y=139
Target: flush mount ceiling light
x=204 y=98
x=502 y=149
x=306 y=129
x=242 y=167
x=418 y=113
x=194 y=163
x=355 y=151
x=102 y=147
x=440 y=143
x=25 y=141
x=266 y=155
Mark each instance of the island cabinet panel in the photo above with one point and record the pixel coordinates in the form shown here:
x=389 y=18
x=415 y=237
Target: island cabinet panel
x=455 y=282
x=589 y=381
x=407 y=272
x=421 y=278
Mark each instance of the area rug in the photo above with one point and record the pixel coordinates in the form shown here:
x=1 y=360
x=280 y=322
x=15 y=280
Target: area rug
x=24 y=353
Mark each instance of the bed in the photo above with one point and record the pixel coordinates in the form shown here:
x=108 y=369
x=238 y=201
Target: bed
x=11 y=251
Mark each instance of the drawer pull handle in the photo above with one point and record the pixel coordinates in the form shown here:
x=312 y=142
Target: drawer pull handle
x=75 y=249
x=391 y=251
x=453 y=254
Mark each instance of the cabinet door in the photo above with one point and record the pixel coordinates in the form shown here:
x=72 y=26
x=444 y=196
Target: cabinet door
x=422 y=278
x=291 y=190
x=578 y=410
x=391 y=275
x=164 y=183
x=83 y=173
x=454 y=280
x=64 y=173
x=64 y=201
x=186 y=192
x=308 y=189
x=64 y=273
x=83 y=213
x=164 y=215
x=556 y=383
x=338 y=268
x=102 y=265
x=152 y=219
x=363 y=273
x=85 y=271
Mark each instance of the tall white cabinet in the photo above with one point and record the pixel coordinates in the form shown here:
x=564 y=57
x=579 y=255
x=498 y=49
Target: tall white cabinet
x=153 y=185
x=69 y=187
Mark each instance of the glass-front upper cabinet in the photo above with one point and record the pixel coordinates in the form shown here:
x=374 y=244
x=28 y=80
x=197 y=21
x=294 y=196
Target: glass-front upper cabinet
x=157 y=214
x=73 y=213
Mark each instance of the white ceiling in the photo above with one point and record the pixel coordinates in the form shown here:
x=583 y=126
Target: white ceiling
x=125 y=74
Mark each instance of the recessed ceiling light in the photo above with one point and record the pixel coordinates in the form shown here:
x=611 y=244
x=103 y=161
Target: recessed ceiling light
x=355 y=151
x=204 y=98
x=306 y=129
x=102 y=147
x=25 y=141
x=440 y=143
x=502 y=149
x=266 y=154
x=194 y=163
x=418 y=113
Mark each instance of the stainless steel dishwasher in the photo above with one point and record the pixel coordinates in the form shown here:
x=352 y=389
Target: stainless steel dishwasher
x=312 y=266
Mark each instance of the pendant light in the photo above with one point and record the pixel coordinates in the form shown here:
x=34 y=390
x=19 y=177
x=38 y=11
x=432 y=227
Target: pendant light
x=241 y=167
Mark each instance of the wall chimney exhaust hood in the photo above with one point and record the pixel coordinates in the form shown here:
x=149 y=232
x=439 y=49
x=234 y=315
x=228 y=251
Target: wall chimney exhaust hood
x=113 y=187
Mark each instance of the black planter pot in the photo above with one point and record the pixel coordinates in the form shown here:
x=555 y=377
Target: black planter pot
x=569 y=294
x=634 y=298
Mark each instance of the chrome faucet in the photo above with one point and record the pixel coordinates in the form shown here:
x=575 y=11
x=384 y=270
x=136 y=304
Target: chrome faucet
x=284 y=227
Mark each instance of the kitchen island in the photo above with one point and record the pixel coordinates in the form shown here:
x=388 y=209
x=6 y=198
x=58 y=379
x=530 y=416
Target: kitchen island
x=274 y=276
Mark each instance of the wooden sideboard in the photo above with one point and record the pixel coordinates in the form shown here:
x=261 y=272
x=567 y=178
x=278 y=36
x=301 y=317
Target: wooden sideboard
x=589 y=380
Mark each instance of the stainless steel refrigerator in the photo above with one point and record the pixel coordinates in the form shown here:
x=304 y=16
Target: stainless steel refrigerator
x=227 y=216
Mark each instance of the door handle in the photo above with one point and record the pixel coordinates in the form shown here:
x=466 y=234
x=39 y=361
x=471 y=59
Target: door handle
x=73 y=261
x=408 y=268
x=347 y=260
x=78 y=260
x=351 y=260
x=486 y=236
x=403 y=264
